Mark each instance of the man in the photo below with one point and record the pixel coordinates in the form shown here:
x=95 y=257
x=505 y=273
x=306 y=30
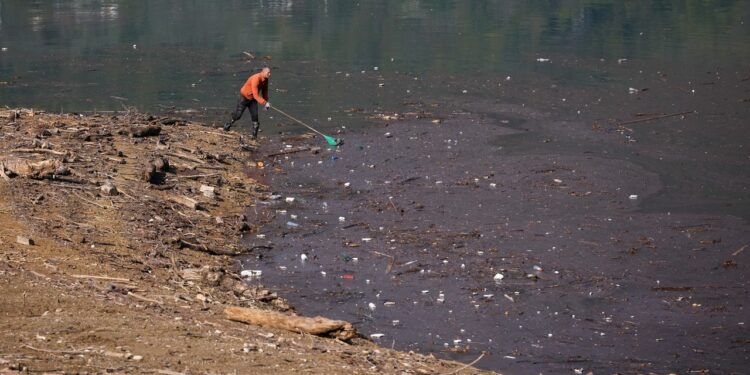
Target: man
x=252 y=93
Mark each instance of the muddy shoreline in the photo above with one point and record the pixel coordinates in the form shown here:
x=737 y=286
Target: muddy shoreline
x=118 y=235
x=445 y=235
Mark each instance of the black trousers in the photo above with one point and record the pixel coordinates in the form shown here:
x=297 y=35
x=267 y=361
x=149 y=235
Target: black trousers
x=243 y=103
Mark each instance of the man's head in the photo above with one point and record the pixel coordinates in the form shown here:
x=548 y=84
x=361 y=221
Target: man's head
x=266 y=72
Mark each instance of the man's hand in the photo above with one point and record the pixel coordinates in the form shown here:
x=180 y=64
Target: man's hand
x=268 y=105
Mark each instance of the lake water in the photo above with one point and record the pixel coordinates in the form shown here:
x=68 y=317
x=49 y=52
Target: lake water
x=189 y=57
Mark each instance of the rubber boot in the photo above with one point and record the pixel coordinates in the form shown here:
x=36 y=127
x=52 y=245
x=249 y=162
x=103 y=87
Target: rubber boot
x=228 y=125
x=256 y=127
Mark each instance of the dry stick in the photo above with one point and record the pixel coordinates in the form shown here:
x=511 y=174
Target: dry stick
x=54 y=351
x=655 y=118
x=100 y=278
x=215 y=133
x=186 y=157
x=200 y=175
x=37 y=151
x=2 y=172
x=88 y=201
x=169 y=372
x=467 y=366
x=145 y=299
x=734 y=254
x=288 y=152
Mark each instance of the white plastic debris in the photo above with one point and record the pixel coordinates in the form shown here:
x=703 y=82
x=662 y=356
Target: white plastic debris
x=342 y=219
x=633 y=197
x=498 y=277
x=289 y=199
x=303 y=257
x=377 y=335
x=251 y=273
x=371 y=306
x=632 y=90
x=542 y=59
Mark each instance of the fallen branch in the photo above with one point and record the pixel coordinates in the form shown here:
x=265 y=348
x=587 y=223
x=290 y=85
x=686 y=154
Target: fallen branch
x=204 y=248
x=286 y=152
x=215 y=133
x=120 y=279
x=467 y=366
x=318 y=325
x=2 y=172
x=74 y=352
x=131 y=294
x=655 y=118
x=200 y=175
x=88 y=201
x=186 y=201
x=186 y=157
x=37 y=151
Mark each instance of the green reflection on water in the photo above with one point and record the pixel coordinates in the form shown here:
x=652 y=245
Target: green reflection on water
x=76 y=55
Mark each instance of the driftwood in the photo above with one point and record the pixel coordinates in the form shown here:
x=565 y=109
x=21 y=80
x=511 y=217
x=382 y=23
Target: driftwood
x=656 y=118
x=40 y=169
x=187 y=202
x=205 y=249
x=37 y=151
x=318 y=325
x=186 y=157
x=2 y=172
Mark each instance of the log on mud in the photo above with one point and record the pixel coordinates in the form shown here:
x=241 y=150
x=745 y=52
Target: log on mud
x=318 y=325
x=41 y=169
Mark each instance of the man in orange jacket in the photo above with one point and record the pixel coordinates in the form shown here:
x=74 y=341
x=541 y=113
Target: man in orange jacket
x=252 y=93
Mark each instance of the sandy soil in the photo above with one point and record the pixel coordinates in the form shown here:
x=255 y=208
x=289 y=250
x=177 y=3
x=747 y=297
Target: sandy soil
x=95 y=281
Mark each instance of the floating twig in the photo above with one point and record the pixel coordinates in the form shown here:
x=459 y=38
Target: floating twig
x=655 y=118
x=464 y=367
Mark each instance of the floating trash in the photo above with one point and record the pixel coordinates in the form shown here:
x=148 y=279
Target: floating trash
x=251 y=273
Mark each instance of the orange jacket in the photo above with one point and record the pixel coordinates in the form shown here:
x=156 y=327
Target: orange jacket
x=255 y=83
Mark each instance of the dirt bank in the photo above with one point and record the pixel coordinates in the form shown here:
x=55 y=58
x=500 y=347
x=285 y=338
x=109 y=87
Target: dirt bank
x=117 y=235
